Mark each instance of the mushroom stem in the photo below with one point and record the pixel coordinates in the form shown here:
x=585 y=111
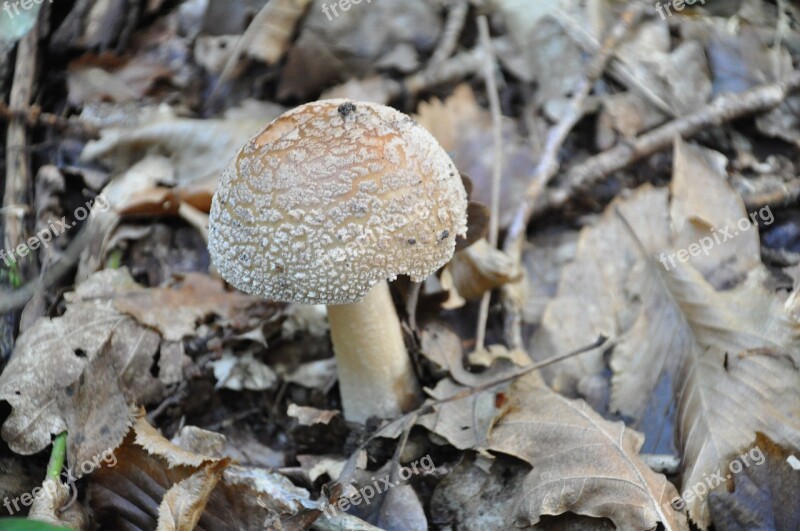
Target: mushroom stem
x=375 y=373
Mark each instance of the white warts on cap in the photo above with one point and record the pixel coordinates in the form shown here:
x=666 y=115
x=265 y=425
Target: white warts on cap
x=331 y=198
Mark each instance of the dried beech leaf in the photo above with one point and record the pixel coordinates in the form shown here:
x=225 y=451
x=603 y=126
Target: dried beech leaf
x=480 y=268
x=176 y=310
x=280 y=20
x=702 y=203
x=309 y=416
x=591 y=297
x=464 y=423
x=184 y=502
x=581 y=463
x=154 y=477
x=198 y=149
x=683 y=315
x=80 y=371
x=717 y=352
x=724 y=401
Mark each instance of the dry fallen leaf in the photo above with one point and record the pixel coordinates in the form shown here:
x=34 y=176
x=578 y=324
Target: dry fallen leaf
x=703 y=203
x=581 y=463
x=480 y=268
x=198 y=149
x=157 y=484
x=80 y=370
x=85 y=368
x=308 y=416
x=243 y=372
x=175 y=311
x=184 y=503
x=280 y=20
x=464 y=423
x=464 y=129
x=590 y=300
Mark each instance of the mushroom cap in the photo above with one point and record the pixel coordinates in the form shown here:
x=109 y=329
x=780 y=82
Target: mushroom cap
x=331 y=198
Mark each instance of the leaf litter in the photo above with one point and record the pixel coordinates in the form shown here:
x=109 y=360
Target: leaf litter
x=222 y=410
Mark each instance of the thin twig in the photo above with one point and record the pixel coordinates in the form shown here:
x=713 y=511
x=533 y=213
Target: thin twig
x=34 y=117
x=429 y=406
x=18 y=165
x=722 y=110
x=456 y=17
x=10 y=300
x=258 y=26
x=409 y=419
x=548 y=164
x=618 y=69
x=460 y=66
x=489 y=68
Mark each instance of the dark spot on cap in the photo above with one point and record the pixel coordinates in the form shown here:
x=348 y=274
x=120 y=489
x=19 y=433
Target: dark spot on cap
x=346 y=108
x=412 y=241
x=445 y=234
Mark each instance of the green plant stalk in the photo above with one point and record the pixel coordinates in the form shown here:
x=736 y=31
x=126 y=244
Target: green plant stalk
x=57 y=456
x=12 y=276
x=114 y=260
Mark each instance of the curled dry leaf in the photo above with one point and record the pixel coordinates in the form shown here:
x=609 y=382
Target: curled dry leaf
x=184 y=502
x=157 y=484
x=279 y=20
x=480 y=268
x=442 y=346
x=308 y=416
x=581 y=463
x=243 y=372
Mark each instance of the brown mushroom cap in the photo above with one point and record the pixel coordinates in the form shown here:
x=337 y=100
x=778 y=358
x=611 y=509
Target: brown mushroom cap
x=331 y=198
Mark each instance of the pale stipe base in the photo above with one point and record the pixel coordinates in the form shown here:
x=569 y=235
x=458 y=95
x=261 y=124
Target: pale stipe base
x=376 y=377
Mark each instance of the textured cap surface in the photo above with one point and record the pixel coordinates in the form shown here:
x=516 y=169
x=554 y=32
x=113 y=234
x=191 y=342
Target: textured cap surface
x=331 y=198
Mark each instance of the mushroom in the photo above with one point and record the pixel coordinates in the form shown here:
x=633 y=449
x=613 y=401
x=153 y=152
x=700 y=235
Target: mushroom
x=323 y=206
